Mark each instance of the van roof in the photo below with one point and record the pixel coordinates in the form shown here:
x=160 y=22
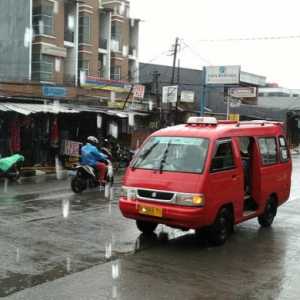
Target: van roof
x=223 y=129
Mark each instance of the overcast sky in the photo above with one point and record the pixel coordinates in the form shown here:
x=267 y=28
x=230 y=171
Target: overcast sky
x=196 y=20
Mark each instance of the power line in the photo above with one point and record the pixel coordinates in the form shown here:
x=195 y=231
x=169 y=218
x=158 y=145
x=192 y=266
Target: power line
x=205 y=60
x=247 y=39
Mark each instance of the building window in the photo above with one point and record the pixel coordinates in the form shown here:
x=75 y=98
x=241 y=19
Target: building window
x=85 y=29
x=116 y=73
x=42 y=67
x=268 y=150
x=116 y=37
x=42 y=19
x=84 y=65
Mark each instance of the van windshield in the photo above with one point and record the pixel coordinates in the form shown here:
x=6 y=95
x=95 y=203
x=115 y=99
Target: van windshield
x=177 y=154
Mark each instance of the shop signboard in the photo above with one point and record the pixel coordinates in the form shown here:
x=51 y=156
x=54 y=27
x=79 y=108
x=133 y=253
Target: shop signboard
x=243 y=92
x=115 y=104
x=54 y=91
x=169 y=94
x=222 y=75
x=108 y=85
x=138 y=91
x=187 y=96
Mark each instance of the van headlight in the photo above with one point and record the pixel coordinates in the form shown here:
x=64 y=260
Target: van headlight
x=129 y=193
x=190 y=199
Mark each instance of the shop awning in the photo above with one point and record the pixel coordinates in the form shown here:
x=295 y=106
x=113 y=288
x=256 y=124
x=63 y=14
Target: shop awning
x=28 y=109
x=101 y=110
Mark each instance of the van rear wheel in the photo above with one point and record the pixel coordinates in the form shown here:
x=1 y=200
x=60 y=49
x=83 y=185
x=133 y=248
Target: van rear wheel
x=145 y=227
x=219 y=232
x=267 y=218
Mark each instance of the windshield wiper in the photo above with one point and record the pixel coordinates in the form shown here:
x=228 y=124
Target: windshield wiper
x=143 y=155
x=164 y=157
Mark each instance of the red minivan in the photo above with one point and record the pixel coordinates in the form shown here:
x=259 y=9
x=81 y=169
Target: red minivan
x=210 y=175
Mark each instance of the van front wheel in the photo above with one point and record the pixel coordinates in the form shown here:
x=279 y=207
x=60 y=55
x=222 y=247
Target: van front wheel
x=145 y=227
x=222 y=227
x=267 y=218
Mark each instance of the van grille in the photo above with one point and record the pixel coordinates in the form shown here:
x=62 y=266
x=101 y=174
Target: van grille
x=157 y=195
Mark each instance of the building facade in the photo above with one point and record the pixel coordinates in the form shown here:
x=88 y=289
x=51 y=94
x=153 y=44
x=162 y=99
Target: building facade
x=52 y=41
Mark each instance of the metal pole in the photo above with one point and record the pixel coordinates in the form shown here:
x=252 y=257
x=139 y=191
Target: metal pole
x=228 y=108
x=76 y=40
x=30 y=43
x=202 y=98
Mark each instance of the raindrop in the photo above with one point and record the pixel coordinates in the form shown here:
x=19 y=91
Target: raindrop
x=58 y=168
x=71 y=23
x=107 y=190
x=65 y=208
x=114 y=292
x=5 y=185
x=108 y=250
x=57 y=65
x=55 y=7
x=27 y=37
x=18 y=256
x=68 y=264
x=115 y=270
x=137 y=245
x=109 y=209
x=41 y=26
x=111 y=194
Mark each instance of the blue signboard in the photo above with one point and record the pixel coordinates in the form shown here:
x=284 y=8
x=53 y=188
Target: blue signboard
x=54 y=91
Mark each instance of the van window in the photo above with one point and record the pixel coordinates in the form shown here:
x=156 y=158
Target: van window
x=223 y=158
x=283 y=149
x=268 y=150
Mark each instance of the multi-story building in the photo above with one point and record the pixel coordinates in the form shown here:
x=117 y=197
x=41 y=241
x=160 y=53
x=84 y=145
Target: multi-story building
x=51 y=41
x=63 y=65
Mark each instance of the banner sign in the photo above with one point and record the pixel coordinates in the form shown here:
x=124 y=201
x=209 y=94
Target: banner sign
x=222 y=75
x=138 y=91
x=54 y=91
x=169 y=94
x=243 y=92
x=187 y=96
x=108 y=85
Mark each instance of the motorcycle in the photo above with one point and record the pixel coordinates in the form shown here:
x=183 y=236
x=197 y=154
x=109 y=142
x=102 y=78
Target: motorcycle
x=86 y=177
x=10 y=167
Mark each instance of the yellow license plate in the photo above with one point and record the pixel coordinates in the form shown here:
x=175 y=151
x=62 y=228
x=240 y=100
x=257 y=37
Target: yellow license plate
x=150 y=211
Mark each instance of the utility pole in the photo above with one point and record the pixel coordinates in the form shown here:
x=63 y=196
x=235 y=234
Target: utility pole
x=203 y=96
x=175 y=51
x=156 y=75
x=178 y=83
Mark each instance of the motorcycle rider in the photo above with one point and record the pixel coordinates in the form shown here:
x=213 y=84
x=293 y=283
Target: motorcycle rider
x=91 y=156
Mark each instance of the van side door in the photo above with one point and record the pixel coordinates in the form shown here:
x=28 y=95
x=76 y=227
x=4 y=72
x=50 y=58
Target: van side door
x=275 y=168
x=226 y=177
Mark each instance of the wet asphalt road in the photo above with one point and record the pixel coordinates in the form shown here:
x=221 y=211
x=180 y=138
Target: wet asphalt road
x=56 y=245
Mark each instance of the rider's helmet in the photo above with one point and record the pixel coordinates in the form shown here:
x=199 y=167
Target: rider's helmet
x=92 y=140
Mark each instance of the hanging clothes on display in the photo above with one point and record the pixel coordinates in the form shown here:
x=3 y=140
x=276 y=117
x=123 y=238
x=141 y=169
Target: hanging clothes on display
x=27 y=141
x=15 y=136
x=54 y=140
x=54 y=137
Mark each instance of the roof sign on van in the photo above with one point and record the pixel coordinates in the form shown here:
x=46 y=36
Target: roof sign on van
x=202 y=120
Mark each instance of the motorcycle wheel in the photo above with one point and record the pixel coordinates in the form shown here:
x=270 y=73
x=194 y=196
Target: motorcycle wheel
x=78 y=185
